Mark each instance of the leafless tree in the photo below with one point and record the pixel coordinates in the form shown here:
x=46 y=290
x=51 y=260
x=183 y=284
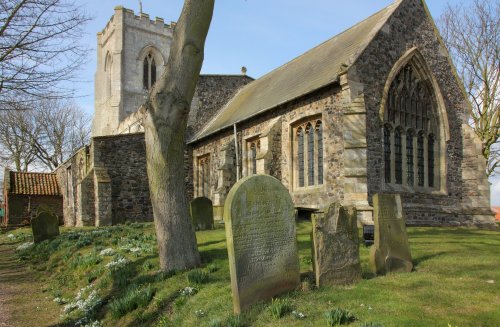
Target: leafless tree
x=472 y=35
x=168 y=108
x=39 y=49
x=42 y=137
x=16 y=130
x=63 y=129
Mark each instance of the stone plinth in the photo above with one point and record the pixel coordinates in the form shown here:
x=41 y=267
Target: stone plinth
x=261 y=240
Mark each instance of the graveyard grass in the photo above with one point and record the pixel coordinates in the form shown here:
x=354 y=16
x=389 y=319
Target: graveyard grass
x=451 y=283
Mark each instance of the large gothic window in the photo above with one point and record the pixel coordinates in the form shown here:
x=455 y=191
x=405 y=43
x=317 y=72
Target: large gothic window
x=149 y=72
x=409 y=122
x=308 y=161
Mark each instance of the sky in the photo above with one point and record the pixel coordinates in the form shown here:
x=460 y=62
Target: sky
x=258 y=34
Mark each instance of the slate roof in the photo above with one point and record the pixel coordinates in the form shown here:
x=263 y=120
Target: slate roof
x=312 y=70
x=33 y=184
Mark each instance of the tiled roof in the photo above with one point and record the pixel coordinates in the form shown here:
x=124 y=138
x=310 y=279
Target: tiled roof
x=312 y=70
x=33 y=184
x=496 y=211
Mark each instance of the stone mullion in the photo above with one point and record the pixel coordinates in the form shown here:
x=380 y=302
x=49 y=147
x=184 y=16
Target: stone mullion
x=393 y=157
x=404 y=164
x=426 y=162
x=316 y=155
x=415 y=159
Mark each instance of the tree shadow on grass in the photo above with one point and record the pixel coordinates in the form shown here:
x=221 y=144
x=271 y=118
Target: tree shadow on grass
x=418 y=260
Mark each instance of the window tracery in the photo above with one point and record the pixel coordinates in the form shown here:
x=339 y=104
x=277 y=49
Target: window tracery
x=308 y=145
x=149 y=72
x=409 y=122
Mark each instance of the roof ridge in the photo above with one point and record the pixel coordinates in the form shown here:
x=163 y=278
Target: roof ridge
x=369 y=26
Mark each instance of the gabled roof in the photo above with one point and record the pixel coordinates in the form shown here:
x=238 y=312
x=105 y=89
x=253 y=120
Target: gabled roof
x=312 y=70
x=33 y=184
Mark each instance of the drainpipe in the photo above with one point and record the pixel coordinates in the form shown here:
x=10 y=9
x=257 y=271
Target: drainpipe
x=237 y=153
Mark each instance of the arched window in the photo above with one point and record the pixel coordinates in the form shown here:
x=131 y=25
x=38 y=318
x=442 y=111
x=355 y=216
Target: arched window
x=253 y=148
x=409 y=113
x=300 y=155
x=308 y=164
x=410 y=175
x=149 y=72
x=387 y=154
x=253 y=155
x=108 y=77
x=398 y=154
x=319 y=138
x=204 y=175
x=310 y=154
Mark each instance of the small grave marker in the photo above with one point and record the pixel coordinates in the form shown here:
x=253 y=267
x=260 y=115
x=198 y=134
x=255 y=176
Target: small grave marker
x=202 y=213
x=335 y=246
x=44 y=226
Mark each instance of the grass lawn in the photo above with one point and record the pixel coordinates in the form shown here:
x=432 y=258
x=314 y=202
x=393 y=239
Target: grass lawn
x=110 y=276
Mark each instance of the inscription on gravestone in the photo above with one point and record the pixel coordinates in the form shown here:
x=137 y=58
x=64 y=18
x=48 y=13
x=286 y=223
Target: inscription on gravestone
x=391 y=251
x=260 y=229
x=202 y=213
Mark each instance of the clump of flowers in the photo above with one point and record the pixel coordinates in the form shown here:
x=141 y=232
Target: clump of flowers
x=11 y=237
x=298 y=315
x=84 y=301
x=24 y=246
x=200 y=313
x=189 y=291
x=117 y=263
x=60 y=300
x=107 y=252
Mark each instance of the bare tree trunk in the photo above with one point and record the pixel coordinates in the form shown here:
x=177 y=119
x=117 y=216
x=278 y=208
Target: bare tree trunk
x=168 y=109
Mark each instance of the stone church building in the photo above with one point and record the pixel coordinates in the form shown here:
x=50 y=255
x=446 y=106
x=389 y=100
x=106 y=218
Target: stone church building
x=376 y=109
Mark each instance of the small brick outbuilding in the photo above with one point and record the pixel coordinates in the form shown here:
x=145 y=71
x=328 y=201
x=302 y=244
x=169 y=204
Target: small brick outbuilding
x=25 y=192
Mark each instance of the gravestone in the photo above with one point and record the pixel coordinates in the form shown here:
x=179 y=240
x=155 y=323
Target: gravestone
x=335 y=246
x=391 y=251
x=260 y=229
x=202 y=213
x=44 y=226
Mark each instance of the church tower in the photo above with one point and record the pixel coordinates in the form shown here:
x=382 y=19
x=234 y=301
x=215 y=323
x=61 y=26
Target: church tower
x=132 y=52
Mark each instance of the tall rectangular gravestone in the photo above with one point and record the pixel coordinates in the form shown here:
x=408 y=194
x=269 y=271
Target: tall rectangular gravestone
x=391 y=251
x=261 y=241
x=202 y=213
x=44 y=226
x=335 y=246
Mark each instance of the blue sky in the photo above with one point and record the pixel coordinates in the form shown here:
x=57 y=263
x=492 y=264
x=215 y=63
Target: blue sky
x=258 y=34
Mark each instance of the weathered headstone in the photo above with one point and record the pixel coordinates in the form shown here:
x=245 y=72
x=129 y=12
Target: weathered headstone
x=202 y=213
x=391 y=252
x=44 y=226
x=260 y=230
x=335 y=246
